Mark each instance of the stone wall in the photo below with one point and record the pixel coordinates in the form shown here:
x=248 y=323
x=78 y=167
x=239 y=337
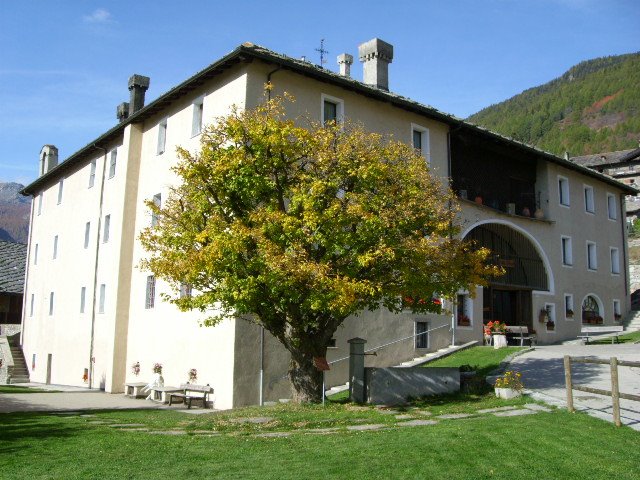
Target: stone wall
x=392 y=386
x=9 y=329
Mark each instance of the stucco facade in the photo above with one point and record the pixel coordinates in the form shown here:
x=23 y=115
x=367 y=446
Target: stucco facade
x=94 y=342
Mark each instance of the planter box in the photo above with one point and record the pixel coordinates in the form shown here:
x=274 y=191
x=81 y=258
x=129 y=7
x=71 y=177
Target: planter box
x=507 y=393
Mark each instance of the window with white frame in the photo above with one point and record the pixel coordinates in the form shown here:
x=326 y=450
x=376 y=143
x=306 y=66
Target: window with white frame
x=55 y=247
x=92 y=173
x=332 y=109
x=35 y=255
x=31 y=305
x=568 y=306
x=112 y=163
x=589 y=202
x=150 y=297
x=87 y=233
x=103 y=291
x=51 y=303
x=40 y=203
x=617 y=313
x=463 y=310
x=615 y=260
x=567 y=251
x=592 y=256
x=107 y=227
x=162 y=136
x=563 y=191
x=551 y=315
x=196 y=121
x=157 y=201
x=185 y=290
x=60 y=187
x=420 y=141
x=83 y=297
x=612 y=208
x=422 y=335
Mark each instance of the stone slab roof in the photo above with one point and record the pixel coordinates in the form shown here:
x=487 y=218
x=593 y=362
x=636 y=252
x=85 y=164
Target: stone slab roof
x=607 y=159
x=13 y=259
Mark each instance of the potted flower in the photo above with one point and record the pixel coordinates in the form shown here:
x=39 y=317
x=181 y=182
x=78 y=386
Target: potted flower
x=498 y=331
x=543 y=317
x=193 y=375
x=509 y=385
x=135 y=368
x=569 y=313
x=464 y=321
x=157 y=368
x=617 y=317
x=551 y=325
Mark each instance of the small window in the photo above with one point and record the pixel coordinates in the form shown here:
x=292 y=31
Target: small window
x=589 y=203
x=463 y=310
x=612 y=208
x=420 y=141
x=615 y=260
x=107 y=226
x=112 y=163
x=567 y=252
x=60 y=187
x=31 y=305
x=51 y=303
x=196 y=124
x=157 y=201
x=92 y=173
x=103 y=290
x=35 y=255
x=551 y=315
x=563 y=191
x=83 y=296
x=185 y=290
x=568 y=306
x=332 y=109
x=332 y=343
x=592 y=256
x=617 y=313
x=150 y=298
x=87 y=234
x=422 y=335
x=40 y=204
x=162 y=136
x=55 y=247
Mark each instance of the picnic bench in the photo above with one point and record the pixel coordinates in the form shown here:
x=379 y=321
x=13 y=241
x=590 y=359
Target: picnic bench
x=160 y=393
x=521 y=333
x=135 y=389
x=587 y=332
x=190 y=392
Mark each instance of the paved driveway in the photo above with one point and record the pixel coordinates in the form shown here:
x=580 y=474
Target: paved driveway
x=543 y=372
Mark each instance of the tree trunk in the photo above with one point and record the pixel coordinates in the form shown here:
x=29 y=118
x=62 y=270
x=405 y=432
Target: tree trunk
x=306 y=379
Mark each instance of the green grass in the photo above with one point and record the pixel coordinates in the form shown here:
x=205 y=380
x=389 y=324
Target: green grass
x=19 y=389
x=485 y=359
x=633 y=337
x=545 y=445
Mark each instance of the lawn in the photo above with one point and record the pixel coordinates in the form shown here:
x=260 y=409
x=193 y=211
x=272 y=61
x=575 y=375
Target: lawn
x=19 y=389
x=482 y=359
x=633 y=337
x=554 y=444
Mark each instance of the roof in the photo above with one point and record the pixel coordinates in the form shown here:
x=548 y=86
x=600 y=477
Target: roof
x=607 y=159
x=13 y=259
x=247 y=52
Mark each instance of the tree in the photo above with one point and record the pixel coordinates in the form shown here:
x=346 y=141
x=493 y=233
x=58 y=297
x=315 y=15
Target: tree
x=299 y=228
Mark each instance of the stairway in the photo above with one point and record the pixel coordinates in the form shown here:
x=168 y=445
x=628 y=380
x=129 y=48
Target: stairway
x=20 y=373
x=632 y=322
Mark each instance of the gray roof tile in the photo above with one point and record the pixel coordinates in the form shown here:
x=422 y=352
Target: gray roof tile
x=13 y=259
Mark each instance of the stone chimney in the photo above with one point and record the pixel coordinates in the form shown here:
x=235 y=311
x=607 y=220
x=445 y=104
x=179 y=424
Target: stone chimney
x=122 y=112
x=138 y=85
x=48 y=159
x=376 y=55
x=345 y=61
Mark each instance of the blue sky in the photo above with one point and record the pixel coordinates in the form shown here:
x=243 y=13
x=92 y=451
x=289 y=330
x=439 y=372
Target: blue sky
x=64 y=65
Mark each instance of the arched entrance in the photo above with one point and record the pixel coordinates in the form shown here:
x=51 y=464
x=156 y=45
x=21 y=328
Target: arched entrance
x=591 y=310
x=508 y=297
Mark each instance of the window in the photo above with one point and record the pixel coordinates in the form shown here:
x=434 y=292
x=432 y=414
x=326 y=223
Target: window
x=112 y=163
x=87 y=233
x=60 y=187
x=162 y=136
x=103 y=289
x=332 y=343
x=185 y=290
x=107 y=225
x=55 y=247
x=92 y=173
x=31 y=306
x=589 y=204
x=332 y=109
x=40 y=204
x=615 y=260
x=617 y=314
x=422 y=335
x=612 y=208
x=35 y=255
x=157 y=201
x=567 y=252
x=592 y=256
x=568 y=306
x=196 y=124
x=463 y=310
x=591 y=310
x=51 y=303
x=563 y=191
x=150 y=298
x=420 y=141
x=83 y=296
x=551 y=314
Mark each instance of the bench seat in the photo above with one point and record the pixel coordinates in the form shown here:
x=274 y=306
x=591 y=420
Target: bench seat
x=521 y=333
x=588 y=332
x=135 y=389
x=189 y=392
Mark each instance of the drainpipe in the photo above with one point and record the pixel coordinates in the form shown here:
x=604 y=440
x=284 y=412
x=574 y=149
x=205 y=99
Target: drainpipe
x=623 y=224
x=95 y=268
x=261 y=365
x=26 y=273
x=269 y=80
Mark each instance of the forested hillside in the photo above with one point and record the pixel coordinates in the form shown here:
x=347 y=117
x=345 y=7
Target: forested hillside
x=14 y=213
x=594 y=107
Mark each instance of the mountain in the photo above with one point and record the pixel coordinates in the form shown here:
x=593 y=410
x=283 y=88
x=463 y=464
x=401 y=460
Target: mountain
x=14 y=213
x=594 y=107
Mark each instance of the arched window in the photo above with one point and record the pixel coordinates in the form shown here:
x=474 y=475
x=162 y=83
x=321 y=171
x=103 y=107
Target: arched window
x=591 y=310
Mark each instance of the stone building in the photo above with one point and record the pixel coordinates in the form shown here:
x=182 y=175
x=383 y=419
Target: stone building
x=556 y=227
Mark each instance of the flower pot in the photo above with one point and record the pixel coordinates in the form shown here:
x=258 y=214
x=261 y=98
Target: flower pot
x=507 y=393
x=499 y=340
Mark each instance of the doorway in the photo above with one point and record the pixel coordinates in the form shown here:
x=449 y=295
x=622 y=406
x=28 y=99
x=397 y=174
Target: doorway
x=510 y=306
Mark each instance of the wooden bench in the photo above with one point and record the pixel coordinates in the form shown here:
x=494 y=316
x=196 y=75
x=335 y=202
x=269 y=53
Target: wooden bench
x=160 y=394
x=587 y=332
x=521 y=333
x=192 y=392
x=134 y=389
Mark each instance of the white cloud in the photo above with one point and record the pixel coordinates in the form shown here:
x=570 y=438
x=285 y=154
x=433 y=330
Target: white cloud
x=100 y=15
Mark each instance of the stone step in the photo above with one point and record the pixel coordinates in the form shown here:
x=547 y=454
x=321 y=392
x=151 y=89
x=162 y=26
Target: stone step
x=18 y=379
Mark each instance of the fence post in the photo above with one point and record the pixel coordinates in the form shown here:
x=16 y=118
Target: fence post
x=615 y=391
x=567 y=381
x=356 y=369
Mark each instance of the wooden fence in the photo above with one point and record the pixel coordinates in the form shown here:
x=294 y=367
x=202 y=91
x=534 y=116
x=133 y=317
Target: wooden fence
x=614 y=393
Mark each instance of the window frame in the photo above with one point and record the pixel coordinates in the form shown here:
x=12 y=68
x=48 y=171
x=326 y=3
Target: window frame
x=40 y=203
x=83 y=299
x=150 y=294
x=419 y=338
x=51 y=303
x=35 y=254
x=102 y=297
x=113 y=159
x=55 y=247
x=92 y=173
x=589 y=199
x=592 y=261
x=339 y=103
x=60 y=190
x=614 y=258
x=157 y=201
x=31 y=305
x=162 y=137
x=87 y=234
x=551 y=313
x=465 y=308
x=425 y=148
x=564 y=193
x=197 y=117
x=617 y=309
x=566 y=256
x=106 y=229
x=610 y=211
x=569 y=306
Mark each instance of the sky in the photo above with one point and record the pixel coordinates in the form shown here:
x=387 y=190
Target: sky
x=64 y=65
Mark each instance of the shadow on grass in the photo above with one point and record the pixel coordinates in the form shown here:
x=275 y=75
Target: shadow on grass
x=32 y=426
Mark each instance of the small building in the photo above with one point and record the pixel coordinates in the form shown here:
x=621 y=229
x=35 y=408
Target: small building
x=555 y=226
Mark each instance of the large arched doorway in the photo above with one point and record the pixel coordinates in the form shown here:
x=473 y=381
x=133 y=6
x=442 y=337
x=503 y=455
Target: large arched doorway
x=508 y=297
